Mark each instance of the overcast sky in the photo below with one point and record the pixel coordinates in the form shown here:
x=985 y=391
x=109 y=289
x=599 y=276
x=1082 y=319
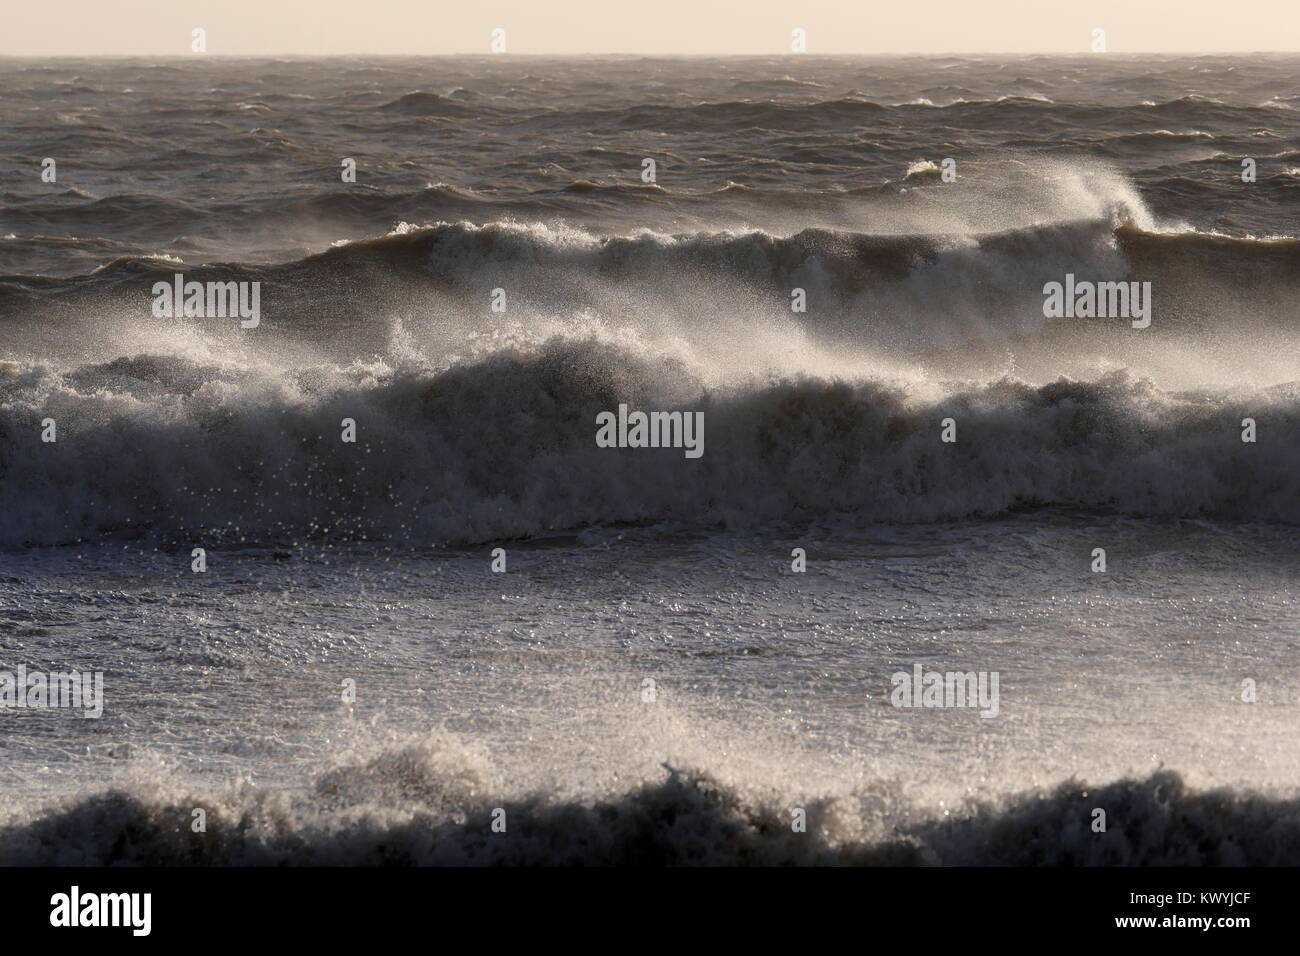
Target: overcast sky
x=159 y=27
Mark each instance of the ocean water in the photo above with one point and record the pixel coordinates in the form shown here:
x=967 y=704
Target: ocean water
x=650 y=680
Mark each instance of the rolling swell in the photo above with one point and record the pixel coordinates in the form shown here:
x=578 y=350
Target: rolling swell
x=504 y=448
x=458 y=252
x=898 y=293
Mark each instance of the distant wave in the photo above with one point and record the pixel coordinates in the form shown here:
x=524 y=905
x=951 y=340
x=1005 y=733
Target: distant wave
x=1007 y=111
x=423 y=804
x=712 y=116
x=423 y=103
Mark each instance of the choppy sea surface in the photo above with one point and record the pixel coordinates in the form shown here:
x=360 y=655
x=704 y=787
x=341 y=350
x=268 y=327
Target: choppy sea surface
x=649 y=681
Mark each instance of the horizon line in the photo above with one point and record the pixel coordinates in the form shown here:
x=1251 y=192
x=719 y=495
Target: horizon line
x=664 y=55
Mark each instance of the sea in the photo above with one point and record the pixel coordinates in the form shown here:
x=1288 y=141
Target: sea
x=363 y=587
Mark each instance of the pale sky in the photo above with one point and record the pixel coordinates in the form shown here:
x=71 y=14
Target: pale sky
x=284 y=27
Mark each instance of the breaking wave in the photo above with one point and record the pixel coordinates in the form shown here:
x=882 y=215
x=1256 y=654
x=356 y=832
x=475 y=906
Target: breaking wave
x=504 y=448
x=428 y=802
x=474 y=426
